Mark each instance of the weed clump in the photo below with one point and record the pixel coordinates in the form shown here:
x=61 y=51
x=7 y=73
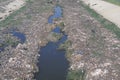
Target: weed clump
x=57 y=36
x=76 y=75
x=65 y=45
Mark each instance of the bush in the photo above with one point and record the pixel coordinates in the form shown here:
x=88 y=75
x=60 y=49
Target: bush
x=65 y=45
x=76 y=75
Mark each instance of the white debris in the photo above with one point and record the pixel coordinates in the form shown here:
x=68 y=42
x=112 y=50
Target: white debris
x=99 y=72
x=96 y=72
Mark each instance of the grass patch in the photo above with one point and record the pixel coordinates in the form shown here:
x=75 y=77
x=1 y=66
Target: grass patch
x=76 y=75
x=117 y=2
x=62 y=24
x=11 y=42
x=65 y=45
x=107 y=24
x=57 y=35
x=68 y=54
x=10 y=19
x=96 y=54
x=50 y=1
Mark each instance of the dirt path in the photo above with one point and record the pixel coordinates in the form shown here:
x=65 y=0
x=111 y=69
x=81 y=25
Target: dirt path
x=107 y=10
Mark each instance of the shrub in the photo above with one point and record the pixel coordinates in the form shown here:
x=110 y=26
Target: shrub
x=76 y=75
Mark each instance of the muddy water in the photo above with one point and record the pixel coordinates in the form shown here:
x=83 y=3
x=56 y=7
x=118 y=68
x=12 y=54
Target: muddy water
x=53 y=64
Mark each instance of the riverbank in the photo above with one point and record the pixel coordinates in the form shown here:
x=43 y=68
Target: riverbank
x=93 y=48
x=20 y=62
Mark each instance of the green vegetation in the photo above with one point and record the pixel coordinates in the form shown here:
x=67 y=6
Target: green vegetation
x=117 y=2
x=3 y=1
x=62 y=25
x=76 y=75
x=57 y=36
x=11 y=42
x=50 y=1
x=115 y=45
x=68 y=54
x=11 y=18
x=65 y=45
x=96 y=54
x=107 y=24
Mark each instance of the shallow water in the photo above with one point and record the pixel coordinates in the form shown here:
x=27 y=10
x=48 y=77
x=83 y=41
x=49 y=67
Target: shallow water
x=53 y=64
x=2 y=48
x=15 y=33
x=57 y=14
x=19 y=35
x=57 y=30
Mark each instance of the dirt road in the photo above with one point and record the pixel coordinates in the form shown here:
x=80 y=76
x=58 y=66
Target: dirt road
x=107 y=10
